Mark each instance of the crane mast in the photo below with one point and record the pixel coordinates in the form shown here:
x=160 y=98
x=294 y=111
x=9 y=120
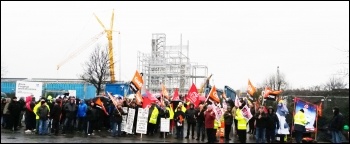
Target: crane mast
x=109 y=33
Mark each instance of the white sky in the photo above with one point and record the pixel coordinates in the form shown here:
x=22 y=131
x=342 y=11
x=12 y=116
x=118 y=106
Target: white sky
x=236 y=40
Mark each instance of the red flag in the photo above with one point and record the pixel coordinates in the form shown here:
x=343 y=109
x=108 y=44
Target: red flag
x=148 y=99
x=176 y=95
x=193 y=95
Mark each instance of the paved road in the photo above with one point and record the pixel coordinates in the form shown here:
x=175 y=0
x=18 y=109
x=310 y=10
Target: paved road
x=102 y=137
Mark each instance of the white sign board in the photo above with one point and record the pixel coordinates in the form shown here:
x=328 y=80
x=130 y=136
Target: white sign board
x=164 y=125
x=142 y=121
x=24 y=89
x=72 y=93
x=125 y=109
x=130 y=121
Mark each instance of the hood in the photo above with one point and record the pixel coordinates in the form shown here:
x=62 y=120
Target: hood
x=191 y=104
x=270 y=107
x=82 y=102
x=29 y=99
x=49 y=98
x=336 y=111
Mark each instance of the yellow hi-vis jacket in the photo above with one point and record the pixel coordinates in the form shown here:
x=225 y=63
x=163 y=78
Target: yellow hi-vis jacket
x=36 y=107
x=171 y=113
x=154 y=115
x=300 y=119
x=216 y=124
x=182 y=108
x=242 y=123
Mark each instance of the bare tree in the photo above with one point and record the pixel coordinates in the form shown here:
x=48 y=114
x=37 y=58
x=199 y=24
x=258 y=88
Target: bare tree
x=334 y=83
x=96 y=69
x=276 y=82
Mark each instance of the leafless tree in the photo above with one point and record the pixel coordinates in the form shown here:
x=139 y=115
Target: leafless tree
x=276 y=82
x=334 y=83
x=96 y=69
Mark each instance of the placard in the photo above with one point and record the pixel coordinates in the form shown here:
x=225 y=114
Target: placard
x=142 y=121
x=164 y=125
x=130 y=121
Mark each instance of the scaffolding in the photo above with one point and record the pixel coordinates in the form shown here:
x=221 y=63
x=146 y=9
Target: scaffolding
x=169 y=65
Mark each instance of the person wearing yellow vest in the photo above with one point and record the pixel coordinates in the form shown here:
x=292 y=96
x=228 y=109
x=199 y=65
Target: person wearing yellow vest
x=153 y=115
x=299 y=125
x=35 y=110
x=183 y=108
x=241 y=124
x=179 y=119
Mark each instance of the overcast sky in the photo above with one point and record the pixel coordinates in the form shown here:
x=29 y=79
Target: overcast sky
x=236 y=40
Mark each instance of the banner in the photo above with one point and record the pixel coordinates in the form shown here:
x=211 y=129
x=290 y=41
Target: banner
x=130 y=121
x=246 y=113
x=310 y=113
x=24 y=89
x=142 y=121
x=136 y=82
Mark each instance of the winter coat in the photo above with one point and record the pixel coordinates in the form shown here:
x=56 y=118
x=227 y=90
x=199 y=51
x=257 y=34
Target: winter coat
x=260 y=122
x=200 y=116
x=177 y=117
x=43 y=112
x=190 y=115
x=117 y=115
x=15 y=108
x=82 y=109
x=70 y=109
x=91 y=113
x=56 y=111
x=209 y=119
x=272 y=121
x=228 y=118
x=337 y=121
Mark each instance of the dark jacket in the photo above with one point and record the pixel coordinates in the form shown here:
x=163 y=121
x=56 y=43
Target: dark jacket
x=43 y=112
x=15 y=108
x=228 y=118
x=272 y=120
x=91 y=113
x=56 y=111
x=337 y=121
x=117 y=115
x=200 y=116
x=70 y=109
x=260 y=122
x=190 y=115
x=177 y=116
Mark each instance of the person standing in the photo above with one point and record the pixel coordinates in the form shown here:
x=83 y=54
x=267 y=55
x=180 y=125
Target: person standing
x=272 y=125
x=91 y=119
x=260 y=125
x=200 y=122
x=179 y=118
x=209 y=116
x=228 y=118
x=15 y=109
x=55 y=116
x=241 y=124
x=191 y=120
x=44 y=114
x=29 y=114
x=299 y=125
x=81 y=115
x=336 y=126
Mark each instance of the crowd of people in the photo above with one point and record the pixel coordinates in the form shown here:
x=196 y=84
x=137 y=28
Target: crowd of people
x=68 y=115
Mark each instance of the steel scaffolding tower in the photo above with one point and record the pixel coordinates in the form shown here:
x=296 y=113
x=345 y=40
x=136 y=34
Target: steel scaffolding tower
x=169 y=65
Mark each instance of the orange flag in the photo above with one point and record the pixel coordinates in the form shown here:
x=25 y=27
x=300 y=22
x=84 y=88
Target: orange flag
x=213 y=95
x=251 y=89
x=138 y=97
x=100 y=103
x=136 y=82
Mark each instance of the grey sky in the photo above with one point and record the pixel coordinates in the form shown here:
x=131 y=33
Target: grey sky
x=237 y=40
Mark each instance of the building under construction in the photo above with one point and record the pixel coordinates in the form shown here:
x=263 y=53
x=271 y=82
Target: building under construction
x=169 y=65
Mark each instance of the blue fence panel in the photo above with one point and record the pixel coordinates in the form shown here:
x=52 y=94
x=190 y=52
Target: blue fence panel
x=120 y=89
x=230 y=93
x=8 y=87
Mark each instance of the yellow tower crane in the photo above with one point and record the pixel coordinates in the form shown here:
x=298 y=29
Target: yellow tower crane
x=109 y=33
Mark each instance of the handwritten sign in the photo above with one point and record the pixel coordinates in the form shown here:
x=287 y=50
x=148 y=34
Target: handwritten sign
x=130 y=121
x=142 y=121
x=164 y=125
x=124 y=117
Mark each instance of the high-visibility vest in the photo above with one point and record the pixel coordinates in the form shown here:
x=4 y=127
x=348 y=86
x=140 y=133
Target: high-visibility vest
x=183 y=109
x=154 y=115
x=300 y=119
x=171 y=113
x=242 y=123
x=216 y=124
x=36 y=107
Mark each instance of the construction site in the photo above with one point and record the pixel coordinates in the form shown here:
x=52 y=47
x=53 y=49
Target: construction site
x=169 y=65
